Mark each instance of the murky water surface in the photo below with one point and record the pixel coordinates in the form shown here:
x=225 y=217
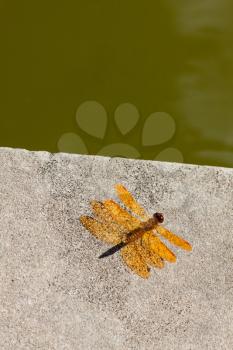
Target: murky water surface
x=150 y=80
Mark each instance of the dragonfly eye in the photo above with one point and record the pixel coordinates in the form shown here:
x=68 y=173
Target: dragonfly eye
x=159 y=217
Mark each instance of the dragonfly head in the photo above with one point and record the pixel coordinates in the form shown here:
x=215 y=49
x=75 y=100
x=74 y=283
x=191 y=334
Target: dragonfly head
x=159 y=217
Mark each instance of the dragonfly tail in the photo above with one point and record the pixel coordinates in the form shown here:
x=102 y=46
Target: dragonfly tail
x=112 y=250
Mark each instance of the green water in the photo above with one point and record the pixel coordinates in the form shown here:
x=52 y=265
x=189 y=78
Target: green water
x=150 y=80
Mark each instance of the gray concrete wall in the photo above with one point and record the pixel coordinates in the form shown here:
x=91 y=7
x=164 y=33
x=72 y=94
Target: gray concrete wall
x=56 y=294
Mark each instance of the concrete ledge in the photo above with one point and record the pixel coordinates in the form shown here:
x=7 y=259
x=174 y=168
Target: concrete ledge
x=56 y=294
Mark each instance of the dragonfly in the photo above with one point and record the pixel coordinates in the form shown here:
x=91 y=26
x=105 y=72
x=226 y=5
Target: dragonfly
x=133 y=232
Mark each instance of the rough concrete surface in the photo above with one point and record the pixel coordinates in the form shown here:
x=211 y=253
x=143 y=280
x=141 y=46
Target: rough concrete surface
x=56 y=294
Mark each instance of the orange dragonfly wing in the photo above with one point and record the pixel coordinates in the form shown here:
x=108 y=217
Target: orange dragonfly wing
x=134 y=260
x=151 y=257
x=127 y=198
x=120 y=215
x=107 y=232
x=100 y=211
x=155 y=246
x=174 y=239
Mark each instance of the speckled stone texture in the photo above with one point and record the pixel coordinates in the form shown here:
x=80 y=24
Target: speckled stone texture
x=56 y=294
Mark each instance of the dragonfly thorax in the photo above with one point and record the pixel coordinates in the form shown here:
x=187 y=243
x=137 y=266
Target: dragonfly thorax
x=145 y=226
